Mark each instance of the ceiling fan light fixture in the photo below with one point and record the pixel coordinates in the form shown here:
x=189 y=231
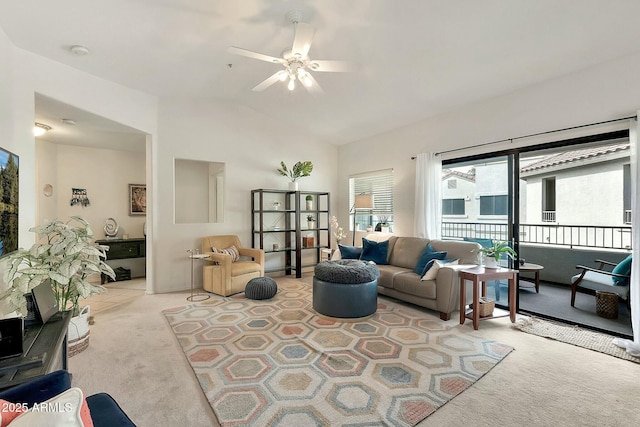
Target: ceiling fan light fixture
x=40 y=129
x=283 y=75
x=306 y=80
x=292 y=83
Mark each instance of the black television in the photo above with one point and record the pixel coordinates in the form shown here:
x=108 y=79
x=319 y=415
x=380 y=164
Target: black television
x=9 y=195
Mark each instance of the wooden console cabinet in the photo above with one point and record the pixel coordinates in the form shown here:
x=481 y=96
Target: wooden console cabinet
x=121 y=250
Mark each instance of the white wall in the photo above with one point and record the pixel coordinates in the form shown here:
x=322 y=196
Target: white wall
x=605 y=92
x=23 y=75
x=251 y=146
x=105 y=174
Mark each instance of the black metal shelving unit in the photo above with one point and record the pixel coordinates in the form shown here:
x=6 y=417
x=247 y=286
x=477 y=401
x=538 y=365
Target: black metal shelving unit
x=284 y=225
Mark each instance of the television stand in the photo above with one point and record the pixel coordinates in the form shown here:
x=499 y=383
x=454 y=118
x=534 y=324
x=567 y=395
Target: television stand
x=45 y=351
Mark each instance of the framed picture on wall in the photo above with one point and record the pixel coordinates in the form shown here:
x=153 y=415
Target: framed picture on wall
x=137 y=199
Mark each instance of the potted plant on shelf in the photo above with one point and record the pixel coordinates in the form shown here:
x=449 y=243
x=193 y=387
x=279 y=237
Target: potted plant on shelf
x=493 y=254
x=299 y=170
x=311 y=222
x=309 y=200
x=66 y=255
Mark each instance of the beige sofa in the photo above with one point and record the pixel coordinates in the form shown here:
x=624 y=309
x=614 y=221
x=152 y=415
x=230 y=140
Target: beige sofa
x=398 y=280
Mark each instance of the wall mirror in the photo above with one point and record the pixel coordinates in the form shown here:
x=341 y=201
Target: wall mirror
x=199 y=191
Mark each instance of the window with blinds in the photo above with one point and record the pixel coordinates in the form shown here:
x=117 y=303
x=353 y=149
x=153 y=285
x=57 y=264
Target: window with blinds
x=380 y=185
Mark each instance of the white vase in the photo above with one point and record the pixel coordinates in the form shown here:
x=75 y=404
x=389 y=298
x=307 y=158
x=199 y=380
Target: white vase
x=490 y=262
x=293 y=186
x=311 y=224
x=309 y=205
x=78 y=332
x=384 y=229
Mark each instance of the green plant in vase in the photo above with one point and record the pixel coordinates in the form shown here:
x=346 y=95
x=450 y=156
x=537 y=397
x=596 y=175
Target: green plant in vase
x=494 y=253
x=311 y=221
x=67 y=255
x=299 y=170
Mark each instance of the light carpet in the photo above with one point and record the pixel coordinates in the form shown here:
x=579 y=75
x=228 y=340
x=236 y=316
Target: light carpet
x=575 y=335
x=278 y=363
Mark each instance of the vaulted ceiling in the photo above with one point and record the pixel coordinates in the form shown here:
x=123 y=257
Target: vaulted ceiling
x=414 y=58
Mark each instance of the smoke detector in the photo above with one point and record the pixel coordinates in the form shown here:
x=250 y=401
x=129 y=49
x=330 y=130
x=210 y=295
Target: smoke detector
x=79 y=50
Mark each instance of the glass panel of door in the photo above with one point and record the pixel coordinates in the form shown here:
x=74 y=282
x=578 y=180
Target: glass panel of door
x=477 y=205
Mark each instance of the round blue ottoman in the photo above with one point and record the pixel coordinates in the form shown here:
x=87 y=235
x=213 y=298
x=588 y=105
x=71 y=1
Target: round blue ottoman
x=345 y=288
x=261 y=288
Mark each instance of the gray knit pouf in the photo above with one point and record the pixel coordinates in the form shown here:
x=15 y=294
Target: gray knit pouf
x=261 y=288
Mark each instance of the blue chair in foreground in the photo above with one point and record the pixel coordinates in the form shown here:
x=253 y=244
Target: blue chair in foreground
x=608 y=276
x=105 y=412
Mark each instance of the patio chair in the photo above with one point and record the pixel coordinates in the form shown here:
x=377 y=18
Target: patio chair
x=608 y=276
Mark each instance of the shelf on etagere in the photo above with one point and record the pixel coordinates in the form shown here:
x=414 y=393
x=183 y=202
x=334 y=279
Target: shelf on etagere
x=291 y=215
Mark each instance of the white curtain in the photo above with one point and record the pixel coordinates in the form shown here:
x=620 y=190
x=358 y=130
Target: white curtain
x=428 y=200
x=633 y=347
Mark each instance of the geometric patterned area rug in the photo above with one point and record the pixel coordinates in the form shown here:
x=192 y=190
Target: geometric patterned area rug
x=278 y=363
x=574 y=335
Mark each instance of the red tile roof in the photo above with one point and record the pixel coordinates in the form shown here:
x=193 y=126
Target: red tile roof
x=573 y=155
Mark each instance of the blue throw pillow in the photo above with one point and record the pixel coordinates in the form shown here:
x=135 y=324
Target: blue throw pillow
x=349 y=252
x=427 y=255
x=624 y=267
x=374 y=251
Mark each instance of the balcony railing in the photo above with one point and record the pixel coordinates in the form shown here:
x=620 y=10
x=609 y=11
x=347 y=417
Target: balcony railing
x=548 y=216
x=587 y=236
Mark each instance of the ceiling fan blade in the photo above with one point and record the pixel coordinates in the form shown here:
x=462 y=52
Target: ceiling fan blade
x=302 y=39
x=328 y=66
x=314 y=89
x=255 y=55
x=268 y=82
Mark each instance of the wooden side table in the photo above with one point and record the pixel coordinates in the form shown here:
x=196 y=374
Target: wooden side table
x=528 y=267
x=479 y=275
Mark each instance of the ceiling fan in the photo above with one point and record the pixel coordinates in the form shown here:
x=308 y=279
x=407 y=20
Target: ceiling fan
x=296 y=62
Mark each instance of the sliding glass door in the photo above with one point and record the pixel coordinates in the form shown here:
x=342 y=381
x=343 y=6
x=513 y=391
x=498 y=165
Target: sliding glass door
x=478 y=205
x=559 y=205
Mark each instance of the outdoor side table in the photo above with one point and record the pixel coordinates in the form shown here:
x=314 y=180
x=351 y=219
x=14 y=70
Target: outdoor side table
x=528 y=267
x=480 y=275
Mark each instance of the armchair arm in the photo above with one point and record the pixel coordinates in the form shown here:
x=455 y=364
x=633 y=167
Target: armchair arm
x=603 y=263
x=222 y=259
x=596 y=270
x=256 y=254
x=39 y=389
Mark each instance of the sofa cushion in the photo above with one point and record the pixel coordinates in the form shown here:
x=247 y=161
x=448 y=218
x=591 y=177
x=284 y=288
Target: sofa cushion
x=432 y=271
x=601 y=282
x=465 y=252
x=428 y=254
x=349 y=252
x=388 y=273
x=624 y=267
x=244 y=267
x=411 y=284
x=375 y=251
x=406 y=251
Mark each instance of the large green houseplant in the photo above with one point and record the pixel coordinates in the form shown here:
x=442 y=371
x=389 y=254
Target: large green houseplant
x=67 y=255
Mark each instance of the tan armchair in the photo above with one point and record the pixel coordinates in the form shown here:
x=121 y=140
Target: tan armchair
x=224 y=277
